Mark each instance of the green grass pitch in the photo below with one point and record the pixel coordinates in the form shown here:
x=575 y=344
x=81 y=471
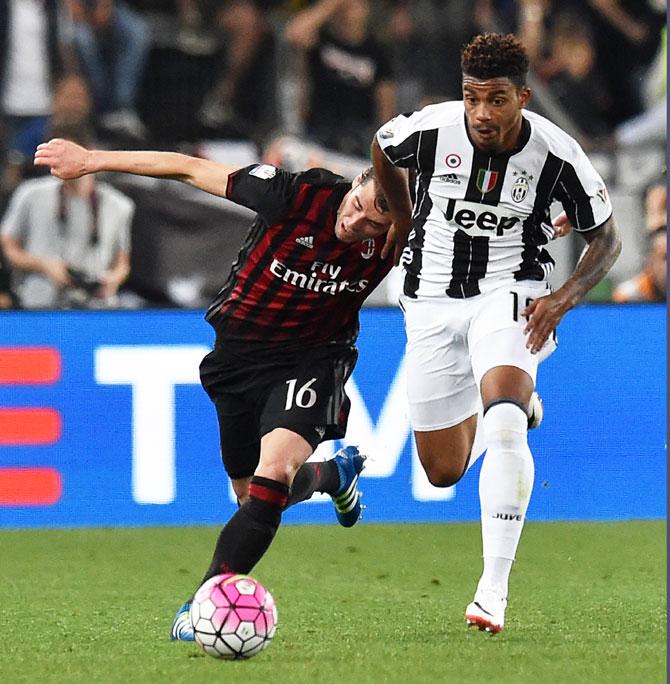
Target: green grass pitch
x=377 y=603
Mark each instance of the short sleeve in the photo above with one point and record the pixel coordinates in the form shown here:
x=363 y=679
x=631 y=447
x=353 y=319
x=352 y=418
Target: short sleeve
x=400 y=138
x=582 y=192
x=263 y=188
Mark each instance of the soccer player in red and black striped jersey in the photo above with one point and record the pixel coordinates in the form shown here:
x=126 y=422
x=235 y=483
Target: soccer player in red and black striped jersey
x=286 y=323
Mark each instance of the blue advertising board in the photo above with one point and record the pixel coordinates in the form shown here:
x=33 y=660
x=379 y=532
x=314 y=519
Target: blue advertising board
x=103 y=423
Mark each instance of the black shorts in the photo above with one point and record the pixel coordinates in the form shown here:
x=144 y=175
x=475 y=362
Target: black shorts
x=254 y=393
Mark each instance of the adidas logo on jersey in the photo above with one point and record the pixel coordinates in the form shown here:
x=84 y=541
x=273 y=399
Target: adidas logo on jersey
x=307 y=241
x=450 y=178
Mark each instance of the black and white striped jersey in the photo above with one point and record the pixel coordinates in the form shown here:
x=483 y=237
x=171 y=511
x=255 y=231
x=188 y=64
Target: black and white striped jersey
x=481 y=220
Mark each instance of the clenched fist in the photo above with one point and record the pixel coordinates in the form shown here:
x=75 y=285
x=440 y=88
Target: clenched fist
x=66 y=159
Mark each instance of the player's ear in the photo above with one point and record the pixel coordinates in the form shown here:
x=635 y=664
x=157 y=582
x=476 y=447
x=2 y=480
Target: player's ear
x=357 y=180
x=524 y=96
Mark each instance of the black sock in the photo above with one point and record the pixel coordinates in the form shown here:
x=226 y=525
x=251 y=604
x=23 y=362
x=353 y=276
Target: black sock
x=249 y=533
x=313 y=477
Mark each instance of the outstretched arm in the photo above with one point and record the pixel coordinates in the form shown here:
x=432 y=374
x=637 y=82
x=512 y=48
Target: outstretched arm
x=545 y=313
x=68 y=160
x=394 y=184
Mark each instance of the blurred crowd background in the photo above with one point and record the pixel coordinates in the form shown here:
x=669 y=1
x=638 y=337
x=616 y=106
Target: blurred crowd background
x=297 y=84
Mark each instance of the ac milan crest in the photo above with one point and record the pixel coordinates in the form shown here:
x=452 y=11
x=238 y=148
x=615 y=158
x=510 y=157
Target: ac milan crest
x=368 y=248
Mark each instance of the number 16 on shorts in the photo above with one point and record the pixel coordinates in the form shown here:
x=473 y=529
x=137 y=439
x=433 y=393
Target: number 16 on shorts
x=303 y=397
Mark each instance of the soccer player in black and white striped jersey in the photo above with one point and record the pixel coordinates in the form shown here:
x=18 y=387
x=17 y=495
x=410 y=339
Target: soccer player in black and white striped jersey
x=478 y=311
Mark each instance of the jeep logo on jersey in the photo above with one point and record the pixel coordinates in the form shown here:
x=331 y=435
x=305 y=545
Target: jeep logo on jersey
x=486 y=180
x=484 y=220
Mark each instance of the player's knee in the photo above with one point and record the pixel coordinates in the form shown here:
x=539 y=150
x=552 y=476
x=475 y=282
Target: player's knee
x=443 y=474
x=444 y=479
x=279 y=470
x=283 y=451
x=276 y=472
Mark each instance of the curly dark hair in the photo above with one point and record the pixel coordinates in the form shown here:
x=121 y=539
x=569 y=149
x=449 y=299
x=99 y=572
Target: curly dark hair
x=493 y=55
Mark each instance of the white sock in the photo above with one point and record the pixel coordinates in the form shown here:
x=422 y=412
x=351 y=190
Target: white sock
x=478 y=442
x=505 y=486
x=496 y=575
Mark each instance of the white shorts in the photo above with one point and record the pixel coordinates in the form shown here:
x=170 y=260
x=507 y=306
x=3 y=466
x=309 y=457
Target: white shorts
x=452 y=343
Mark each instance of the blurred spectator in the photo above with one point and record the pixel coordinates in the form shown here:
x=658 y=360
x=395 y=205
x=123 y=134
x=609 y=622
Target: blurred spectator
x=650 y=127
x=593 y=55
x=32 y=57
x=112 y=42
x=442 y=27
x=71 y=106
x=8 y=299
x=348 y=80
x=627 y=35
x=196 y=21
x=651 y=284
x=656 y=206
x=533 y=23
x=68 y=242
x=573 y=78
x=242 y=101
x=407 y=27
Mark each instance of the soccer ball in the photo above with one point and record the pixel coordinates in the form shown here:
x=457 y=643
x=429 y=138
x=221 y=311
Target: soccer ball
x=233 y=616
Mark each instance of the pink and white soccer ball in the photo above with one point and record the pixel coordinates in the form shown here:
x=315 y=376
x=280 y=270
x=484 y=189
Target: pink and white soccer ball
x=233 y=616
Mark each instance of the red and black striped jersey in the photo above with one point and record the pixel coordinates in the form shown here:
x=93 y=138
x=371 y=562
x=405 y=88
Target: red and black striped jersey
x=294 y=284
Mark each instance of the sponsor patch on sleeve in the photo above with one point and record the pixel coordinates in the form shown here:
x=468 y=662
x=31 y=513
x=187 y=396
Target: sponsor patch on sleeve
x=263 y=171
x=387 y=131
